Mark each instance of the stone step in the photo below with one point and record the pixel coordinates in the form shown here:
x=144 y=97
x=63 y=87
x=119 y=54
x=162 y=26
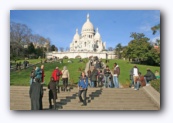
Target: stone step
x=110 y=108
x=97 y=99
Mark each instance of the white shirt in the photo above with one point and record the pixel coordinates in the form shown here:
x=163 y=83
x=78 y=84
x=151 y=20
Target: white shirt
x=135 y=72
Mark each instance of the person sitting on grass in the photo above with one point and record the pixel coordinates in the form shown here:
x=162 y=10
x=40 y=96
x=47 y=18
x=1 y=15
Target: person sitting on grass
x=149 y=76
x=157 y=74
x=140 y=81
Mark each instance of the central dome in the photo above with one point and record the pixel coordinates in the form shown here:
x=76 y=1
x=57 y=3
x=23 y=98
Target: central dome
x=88 y=26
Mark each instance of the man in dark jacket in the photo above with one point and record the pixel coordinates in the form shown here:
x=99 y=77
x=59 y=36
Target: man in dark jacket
x=52 y=92
x=94 y=75
x=149 y=76
x=36 y=94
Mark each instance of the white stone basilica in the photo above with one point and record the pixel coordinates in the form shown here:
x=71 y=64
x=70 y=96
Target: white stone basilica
x=85 y=45
x=88 y=40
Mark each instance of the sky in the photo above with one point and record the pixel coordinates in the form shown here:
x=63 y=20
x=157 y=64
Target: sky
x=115 y=26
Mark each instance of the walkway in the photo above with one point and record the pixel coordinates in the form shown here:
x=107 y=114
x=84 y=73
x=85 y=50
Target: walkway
x=98 y=99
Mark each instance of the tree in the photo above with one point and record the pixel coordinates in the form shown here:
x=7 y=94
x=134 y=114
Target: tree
x=31 y=49
x=52 y=48
x=19 y=33
x=155 y=28
x=39 y=52
x=139 y=47
x=110 y=48
x=118 y=50
x=16 y=50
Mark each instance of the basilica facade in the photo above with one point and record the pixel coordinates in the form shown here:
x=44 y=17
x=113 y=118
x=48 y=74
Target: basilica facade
x=85 y=45
x=89 y=40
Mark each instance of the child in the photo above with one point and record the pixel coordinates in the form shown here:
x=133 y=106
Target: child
x=52 y=93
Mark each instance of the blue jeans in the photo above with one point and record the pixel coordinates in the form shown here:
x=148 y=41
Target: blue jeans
x=137 y=84
x=92 y=84
x=115 y=80
x=147 y=82
x=107 y=82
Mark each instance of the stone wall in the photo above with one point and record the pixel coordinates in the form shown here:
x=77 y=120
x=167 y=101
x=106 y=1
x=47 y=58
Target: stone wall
x=61 y=55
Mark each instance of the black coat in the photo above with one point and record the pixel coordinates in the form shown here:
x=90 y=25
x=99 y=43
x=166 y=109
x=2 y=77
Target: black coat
x=94 y=75
x=150 y=75
x=36 y=94
x=52 y=90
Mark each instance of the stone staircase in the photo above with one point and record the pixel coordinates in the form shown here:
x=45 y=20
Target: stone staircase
x=97 y=99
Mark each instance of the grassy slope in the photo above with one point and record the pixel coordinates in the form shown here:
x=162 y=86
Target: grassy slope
x=22 y=77
x=125 y=68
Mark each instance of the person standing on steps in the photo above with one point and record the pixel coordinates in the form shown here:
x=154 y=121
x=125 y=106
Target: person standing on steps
x=36 y=94
x=107 y=75
x=116 y=74
x=56 y=74
x=100 y=78
x=83 y=87
x=52 y=93
x=65 y=78
x=94 y=77
x=43 y=75
x=32 y=75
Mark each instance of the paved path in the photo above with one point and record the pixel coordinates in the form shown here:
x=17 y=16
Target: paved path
x=97 y=99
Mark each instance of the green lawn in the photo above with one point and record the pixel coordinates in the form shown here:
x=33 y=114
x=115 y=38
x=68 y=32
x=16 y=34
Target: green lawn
x=22 y=77
x=125 y=68
x=31 y=61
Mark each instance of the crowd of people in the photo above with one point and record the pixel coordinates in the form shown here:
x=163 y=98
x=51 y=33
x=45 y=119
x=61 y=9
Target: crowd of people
x=36 y=86
x=99 y=76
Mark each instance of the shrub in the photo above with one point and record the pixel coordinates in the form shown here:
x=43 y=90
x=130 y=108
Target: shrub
x=156 y=84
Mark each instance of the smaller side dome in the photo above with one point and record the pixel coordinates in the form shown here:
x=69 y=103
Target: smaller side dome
x=97 y=35
x=76 y=36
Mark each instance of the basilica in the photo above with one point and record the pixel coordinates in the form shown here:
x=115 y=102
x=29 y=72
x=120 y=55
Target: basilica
x=85 y=45
x=89 y=40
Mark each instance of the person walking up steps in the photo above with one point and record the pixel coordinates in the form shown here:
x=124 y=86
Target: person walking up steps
x=65 y=78
x=52 y=93
x=83 y=87
x=56 y=74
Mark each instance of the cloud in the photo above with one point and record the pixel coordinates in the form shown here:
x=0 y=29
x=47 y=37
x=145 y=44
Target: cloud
x=145 y=27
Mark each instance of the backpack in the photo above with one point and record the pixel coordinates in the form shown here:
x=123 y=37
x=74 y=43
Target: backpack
x=58 y=73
